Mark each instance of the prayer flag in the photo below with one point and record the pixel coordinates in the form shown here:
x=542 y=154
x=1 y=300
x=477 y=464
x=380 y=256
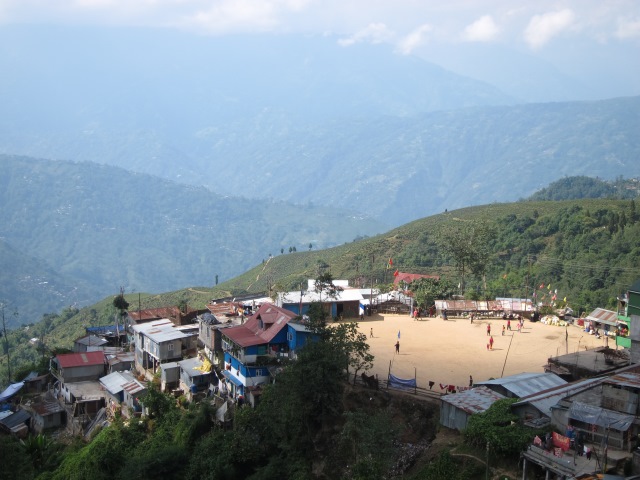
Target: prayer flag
x=565 y=299
x=389 y=264
x=395 y=274
x=541 y=286
x=504 y=276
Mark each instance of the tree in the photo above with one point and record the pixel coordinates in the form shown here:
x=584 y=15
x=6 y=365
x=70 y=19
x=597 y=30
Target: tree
x=353 y=345
x=310 y=246
x=281 y=251
x=427 y=290
x=467 y=243
x=324 y=284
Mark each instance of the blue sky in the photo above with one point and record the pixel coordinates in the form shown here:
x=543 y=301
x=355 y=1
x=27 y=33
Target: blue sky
x=595 y=42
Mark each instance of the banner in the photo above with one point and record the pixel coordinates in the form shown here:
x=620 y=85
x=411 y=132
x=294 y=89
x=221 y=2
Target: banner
x=401 y=383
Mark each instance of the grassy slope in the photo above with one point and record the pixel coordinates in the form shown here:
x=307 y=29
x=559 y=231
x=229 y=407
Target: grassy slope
x=411 y=246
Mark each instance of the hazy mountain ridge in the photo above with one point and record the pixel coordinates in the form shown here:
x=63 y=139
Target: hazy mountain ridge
x=298 y=119
x=105 y=227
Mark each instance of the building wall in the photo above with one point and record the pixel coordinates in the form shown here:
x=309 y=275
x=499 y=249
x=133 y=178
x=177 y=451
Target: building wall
x=453 y=417
x=82 y=373
x=619 y=399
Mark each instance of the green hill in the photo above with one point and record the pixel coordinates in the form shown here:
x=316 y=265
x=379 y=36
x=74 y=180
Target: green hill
x=88 y=229
x=587 y=249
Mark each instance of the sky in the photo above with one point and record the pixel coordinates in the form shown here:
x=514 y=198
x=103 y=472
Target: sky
x=407 y=24
x=580 y=37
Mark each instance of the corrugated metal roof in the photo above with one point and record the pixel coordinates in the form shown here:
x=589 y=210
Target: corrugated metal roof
x=189 y=366
x=114 y=382
x=524 y=384
x=472 y=401
x=544 y=401
x=309 y=296
x=47 y=407
x=298 y=327
x=274 y=319
x=497 y=305
x=19 y=417
x=625 y=380
x=92 y=340
x=67 y=360
x=144 y=327
x=601 y=315
x=163 y=330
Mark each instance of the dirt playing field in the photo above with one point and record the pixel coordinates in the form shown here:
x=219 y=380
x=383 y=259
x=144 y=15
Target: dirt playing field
x=448 y=351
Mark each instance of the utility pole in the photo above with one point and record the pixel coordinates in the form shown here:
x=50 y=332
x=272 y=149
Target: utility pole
x=371 y=293
x=6 y=344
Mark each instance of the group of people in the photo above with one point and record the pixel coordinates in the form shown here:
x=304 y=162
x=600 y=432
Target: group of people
x=506 y=327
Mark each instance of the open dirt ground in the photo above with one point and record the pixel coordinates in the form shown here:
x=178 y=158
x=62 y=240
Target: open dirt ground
x=448 y=351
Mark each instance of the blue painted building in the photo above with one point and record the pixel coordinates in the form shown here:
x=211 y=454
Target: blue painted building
x=252 y=350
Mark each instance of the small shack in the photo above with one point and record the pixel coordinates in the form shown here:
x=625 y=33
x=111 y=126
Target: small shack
x=456 y=409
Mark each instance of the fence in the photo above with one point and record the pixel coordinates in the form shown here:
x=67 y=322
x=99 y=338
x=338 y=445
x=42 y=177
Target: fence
x=384 y=385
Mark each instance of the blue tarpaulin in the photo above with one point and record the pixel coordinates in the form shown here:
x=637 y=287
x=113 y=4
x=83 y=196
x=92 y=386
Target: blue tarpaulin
x=401 y=383
x=10 y=391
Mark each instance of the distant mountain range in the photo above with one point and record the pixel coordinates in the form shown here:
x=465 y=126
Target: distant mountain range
x=298 y=119
x=72 y=233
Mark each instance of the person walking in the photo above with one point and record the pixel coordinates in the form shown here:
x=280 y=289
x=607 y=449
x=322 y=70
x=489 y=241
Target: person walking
x=503 y=330
x=491 y=342
x=509 y=324
x=470 y=381
x=488 y=329
x=371 y=333
x=398 y=346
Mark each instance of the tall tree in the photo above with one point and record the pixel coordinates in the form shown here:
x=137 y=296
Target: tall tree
x=467 y=243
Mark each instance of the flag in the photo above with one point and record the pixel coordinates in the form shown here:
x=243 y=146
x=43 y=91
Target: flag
x=564 y=299
x=541 y=286
x=395 y=274
x=398 y=334
x=390 y=264
x=549 y=287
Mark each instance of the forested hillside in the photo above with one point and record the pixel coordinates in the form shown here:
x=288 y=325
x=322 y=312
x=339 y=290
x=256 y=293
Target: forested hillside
x=88 y=229
x=588 y=250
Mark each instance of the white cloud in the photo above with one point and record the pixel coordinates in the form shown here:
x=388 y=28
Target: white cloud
x=628 y=28
x=372 y=33
x=416 y=38
x=482 y=30
x=244 y=15
x=543 y=28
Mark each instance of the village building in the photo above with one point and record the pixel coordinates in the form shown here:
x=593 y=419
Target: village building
x=78 y=367
x=219 y=316
x=160 y=342
x=46 y=414
x=252 y=350
x=89 y=343
x=523 y=384
x=123 y=392
x=456 y=409
x=195 y=376
x=344 y=304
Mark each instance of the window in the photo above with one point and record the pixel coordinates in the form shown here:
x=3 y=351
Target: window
x=170 y=347
x=290 y=336
x=259 y=372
